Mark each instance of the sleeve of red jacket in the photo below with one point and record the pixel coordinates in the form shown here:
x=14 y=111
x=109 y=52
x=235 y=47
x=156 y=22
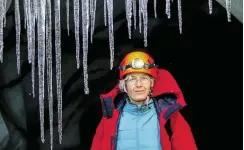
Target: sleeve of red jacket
x=97 y=139
x=182 y=137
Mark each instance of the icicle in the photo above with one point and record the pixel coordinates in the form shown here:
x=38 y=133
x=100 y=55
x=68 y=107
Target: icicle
x=5 y=10
x=155 y=8
x=210 y=5
x=41 y=62
x=145 y=21
x=58 y=66
x=93 y=16
x=105 y=12
x=85 y=28
x=1 y=28
x=49 y=68
x=128 y=7
x=35 y=6
x=67 y=15
x=17 y=29
x=228 y=9
x=167 y=10
x=140 y=13
x=29 y=30
x=111 y=31
x=25 y=13
x=91 y=9
x=77 y=33
x=180 y=16
x=134 y=12
x=33 y=35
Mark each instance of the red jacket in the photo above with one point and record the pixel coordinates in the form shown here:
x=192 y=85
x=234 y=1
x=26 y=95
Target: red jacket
x=168 y=100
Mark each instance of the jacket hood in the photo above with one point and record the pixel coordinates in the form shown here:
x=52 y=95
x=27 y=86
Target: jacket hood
x=164 y=85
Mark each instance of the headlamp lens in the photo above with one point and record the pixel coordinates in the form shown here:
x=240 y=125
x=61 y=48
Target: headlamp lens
x=137 y=63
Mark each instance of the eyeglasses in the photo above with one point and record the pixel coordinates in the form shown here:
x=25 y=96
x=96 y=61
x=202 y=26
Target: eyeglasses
x=143 y=80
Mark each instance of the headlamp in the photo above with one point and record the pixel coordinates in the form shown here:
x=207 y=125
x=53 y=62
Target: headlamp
x=137 y=64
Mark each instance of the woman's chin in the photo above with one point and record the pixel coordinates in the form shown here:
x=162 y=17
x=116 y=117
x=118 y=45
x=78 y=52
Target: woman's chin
x=140 y=98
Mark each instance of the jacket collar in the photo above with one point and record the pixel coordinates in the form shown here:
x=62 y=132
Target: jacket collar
x=166 y=94
x=162 y=101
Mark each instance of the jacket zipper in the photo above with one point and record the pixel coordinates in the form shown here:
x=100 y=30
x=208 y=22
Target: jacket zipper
x=158 y=114
x=112 y=143
x=114 y=138
x=158 y=117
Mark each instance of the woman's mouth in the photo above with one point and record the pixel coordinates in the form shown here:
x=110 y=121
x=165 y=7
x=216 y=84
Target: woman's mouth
x=139 y=91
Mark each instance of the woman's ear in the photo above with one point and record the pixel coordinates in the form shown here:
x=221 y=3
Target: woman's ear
x=126 y=87
x=152 y=83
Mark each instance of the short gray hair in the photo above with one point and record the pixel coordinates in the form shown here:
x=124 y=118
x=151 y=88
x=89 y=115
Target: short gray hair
x=122 y=85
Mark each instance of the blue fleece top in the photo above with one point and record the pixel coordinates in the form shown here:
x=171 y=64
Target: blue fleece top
x=138 y=128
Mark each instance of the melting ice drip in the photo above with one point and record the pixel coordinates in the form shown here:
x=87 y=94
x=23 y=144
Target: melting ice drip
x=38 y=13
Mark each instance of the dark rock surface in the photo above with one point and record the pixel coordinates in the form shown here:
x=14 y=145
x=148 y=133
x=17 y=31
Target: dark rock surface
x=203 y=61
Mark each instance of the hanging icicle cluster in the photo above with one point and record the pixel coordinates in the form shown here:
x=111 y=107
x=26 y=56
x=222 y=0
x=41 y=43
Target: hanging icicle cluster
x=38 y=13
x=88 y=8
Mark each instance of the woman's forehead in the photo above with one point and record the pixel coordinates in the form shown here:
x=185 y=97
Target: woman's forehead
x=137 y=74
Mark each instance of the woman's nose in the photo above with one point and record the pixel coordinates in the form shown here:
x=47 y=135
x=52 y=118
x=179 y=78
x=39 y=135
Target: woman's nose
x=138 y=83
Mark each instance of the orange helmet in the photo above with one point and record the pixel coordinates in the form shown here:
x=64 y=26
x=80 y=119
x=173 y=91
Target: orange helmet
x=137 y=61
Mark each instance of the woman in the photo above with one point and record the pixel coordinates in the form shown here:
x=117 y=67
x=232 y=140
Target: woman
x=137 y=111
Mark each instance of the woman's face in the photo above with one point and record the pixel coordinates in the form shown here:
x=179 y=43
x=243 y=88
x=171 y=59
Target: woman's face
x=138 y=87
